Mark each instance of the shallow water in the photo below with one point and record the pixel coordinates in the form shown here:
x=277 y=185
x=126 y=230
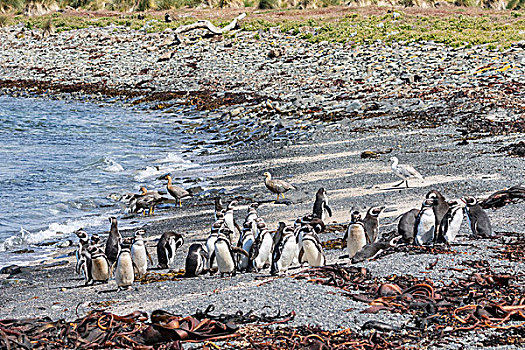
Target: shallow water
x=62 y=160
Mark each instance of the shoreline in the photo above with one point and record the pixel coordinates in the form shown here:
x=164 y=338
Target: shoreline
x=451 y=133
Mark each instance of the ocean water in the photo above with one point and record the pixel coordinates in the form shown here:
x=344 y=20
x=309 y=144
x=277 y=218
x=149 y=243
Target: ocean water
x=61 y=161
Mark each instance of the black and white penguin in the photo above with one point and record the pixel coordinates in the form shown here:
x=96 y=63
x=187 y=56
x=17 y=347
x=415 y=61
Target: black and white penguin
x=167 y=246
x=321 y=207
x=261 y=253
x=196 y=260
x=451 y=223
x=285 y=249
x=355 y=234
x=406 y=225
x=219 y=208
x=477 y=218
x=139 y=253
x=246 y=242
x=94 y=240
x=225 y=254
x=311 y=250
x=113 y=243
x=98 y=265
x=83 y=244
x=440 y=208
x=425 y=225
x=230 y=223
x=371 y=223
x=210 y=242
x=124 y=272
x=371 y=250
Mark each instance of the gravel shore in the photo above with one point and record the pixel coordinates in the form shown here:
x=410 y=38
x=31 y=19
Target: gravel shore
x=309 y=112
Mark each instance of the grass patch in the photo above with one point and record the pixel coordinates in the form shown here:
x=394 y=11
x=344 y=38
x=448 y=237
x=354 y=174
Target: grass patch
x=496 y=29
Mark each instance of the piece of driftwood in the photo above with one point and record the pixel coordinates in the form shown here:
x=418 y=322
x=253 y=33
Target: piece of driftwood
x=204 y=24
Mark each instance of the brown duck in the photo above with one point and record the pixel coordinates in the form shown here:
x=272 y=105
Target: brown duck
x=177 y=192
x=278 y=187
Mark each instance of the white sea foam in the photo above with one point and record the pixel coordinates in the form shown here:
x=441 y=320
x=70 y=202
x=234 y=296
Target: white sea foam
x=111 y=166
x=172 y=162
x=54 y=230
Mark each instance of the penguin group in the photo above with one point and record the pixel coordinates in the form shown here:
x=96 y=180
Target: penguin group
x=125 y=259
x=230 y=248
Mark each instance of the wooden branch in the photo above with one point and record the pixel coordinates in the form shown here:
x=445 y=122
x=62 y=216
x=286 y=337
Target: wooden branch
x=209 y=26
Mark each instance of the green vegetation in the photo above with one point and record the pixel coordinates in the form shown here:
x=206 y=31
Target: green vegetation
x=497 y=30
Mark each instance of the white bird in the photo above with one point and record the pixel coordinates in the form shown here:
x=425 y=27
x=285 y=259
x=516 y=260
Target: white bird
x=404 y=171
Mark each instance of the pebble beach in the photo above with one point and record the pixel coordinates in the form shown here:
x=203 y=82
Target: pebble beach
x=314 y=114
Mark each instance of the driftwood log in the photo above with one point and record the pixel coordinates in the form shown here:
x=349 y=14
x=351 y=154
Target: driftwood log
x=209 y=26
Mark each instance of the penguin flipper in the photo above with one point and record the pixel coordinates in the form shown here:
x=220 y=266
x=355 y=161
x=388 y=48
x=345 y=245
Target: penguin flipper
x=239 y=250
x=89 y=276
x=328 y=210
x=212 y=257
x=300 y=257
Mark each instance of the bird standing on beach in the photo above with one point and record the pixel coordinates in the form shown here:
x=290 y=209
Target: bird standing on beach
x=404 y=171
x=177 y=192
x=276 y=186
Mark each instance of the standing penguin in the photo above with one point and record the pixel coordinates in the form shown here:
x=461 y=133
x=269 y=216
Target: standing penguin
x=311 y=250
x=139 y=253
x=98 y=265
x=83 y=244
x=285 y=249
x=355 y=234
x=246 y=243
x=477 y=219
x=321 y=207
x=167 y=246
x=210 y=242
x=225 y=253
x=219 y=208
x=425 y=225
x=371 y=223
x=196 y=260
x=261 y=253
x=406 y=225
x=451 y=223
x=230 y=223
x=113 y=243
x=124 y=272
x=440 y=208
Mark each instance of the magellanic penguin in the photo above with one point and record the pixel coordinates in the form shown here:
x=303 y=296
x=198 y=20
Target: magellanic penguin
x=140 y=254
x=285 y=249
x=83 y=244
x=451 y=223
x=167 y=246
x=404 y=171
x=425 y=225
x=478 y=220
x=278 y=187
x=261 y=253
x=113 y=243
x=124 y=272
x=98 y=265
x=406 y=226
x=219 y=208
x=371 y=223
x=230 y=223
x=372 y=250
x=440 y=208
x=321 y=207
x=196 y=260
x=225 y=254
x=210 y=243
x=246 y=243
x=311 y=251
x=355 y=235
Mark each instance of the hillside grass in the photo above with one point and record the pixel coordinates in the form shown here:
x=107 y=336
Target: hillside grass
x=353 y=26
